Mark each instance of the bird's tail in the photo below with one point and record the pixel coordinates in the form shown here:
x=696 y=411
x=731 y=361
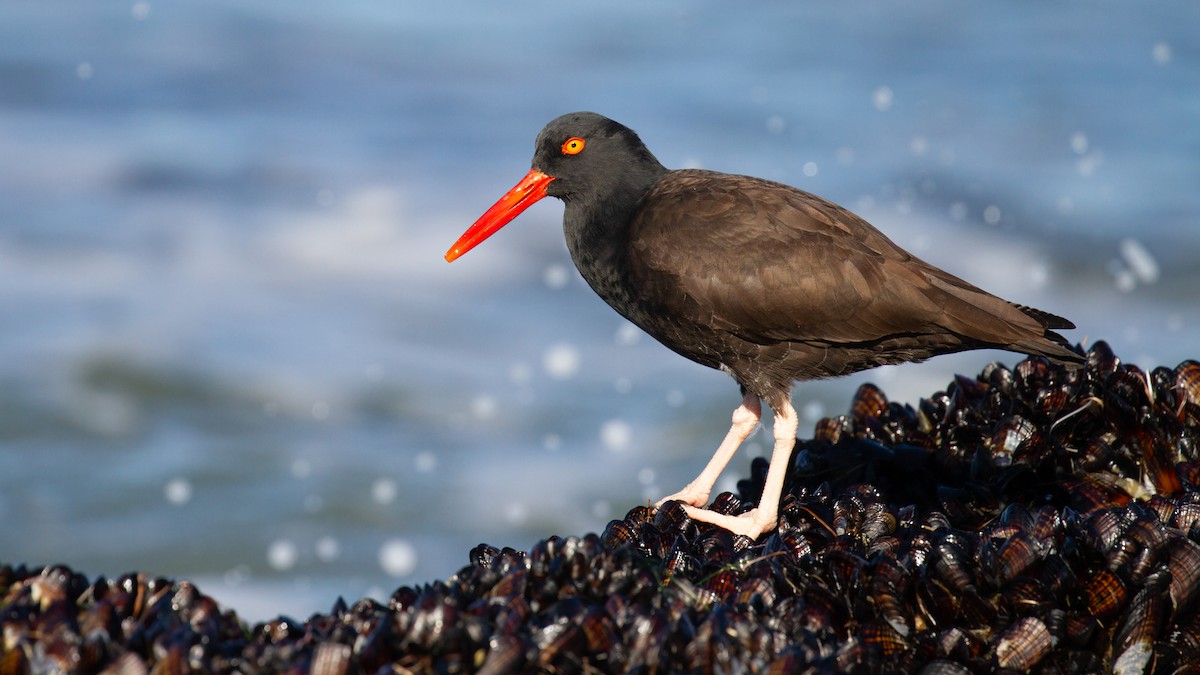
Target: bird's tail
x=1051 y=345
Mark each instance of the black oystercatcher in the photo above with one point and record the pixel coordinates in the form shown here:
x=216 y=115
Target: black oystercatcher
x=766 y=282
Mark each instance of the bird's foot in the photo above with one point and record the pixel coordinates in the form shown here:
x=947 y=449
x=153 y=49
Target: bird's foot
x=689 y=496
x=751 y=523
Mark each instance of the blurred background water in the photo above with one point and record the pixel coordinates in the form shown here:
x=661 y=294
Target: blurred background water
x=230 y=349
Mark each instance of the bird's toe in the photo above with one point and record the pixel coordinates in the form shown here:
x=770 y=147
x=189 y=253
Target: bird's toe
x=688 y=496
x=751 y=523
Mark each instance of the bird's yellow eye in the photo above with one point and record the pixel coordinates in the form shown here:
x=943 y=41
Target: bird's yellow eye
x=573 y=146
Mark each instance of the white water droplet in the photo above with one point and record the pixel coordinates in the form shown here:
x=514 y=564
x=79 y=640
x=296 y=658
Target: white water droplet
x=1140 y=261
x=991 y=214
x=384 y=491
x=628 y=334
x=426 y=461
x=328 y=549
x=237 y=575
x=519 y=373
x=282 y=554
x=398 y=557
x=561 y=361
x=1087 y=164
x=516 y=513
x=1079 y=142
x=483 y=407
x=616 y=435
x=178 y=491
x=301 y=468
x=882 y=98
x=813 y=411
x=1161 y=53
x=556 y=276
x=1125 y=280
x=1039 y=274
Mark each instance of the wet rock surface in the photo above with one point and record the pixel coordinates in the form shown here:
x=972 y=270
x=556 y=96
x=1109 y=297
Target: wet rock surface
x=1034 y=519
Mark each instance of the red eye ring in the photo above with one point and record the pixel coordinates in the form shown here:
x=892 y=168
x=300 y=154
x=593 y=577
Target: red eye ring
x=573 y=146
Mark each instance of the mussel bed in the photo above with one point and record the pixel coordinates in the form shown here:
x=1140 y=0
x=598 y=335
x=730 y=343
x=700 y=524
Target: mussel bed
x=1037 y=519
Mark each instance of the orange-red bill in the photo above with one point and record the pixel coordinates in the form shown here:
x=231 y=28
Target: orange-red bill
x=531 y=188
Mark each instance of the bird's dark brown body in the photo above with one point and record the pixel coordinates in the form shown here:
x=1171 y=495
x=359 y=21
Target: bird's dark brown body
x=764 y=281
x=773 y=284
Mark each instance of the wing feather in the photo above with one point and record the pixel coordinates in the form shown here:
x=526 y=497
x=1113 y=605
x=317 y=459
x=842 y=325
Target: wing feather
x=770 y=263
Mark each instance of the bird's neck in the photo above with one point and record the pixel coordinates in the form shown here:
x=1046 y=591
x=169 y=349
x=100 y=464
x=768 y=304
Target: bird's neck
x=597 y=234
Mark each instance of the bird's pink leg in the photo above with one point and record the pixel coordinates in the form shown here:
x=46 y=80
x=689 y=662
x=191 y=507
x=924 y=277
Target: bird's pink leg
x=745 y=418
x=766 y=515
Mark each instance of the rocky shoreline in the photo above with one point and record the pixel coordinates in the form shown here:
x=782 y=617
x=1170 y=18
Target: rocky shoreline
x=1034 y=519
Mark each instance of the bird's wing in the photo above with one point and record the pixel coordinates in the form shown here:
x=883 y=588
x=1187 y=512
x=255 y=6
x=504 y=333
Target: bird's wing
x=770 y=263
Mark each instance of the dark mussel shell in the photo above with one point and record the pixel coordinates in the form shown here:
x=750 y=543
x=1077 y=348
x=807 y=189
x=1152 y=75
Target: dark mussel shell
x=1101 y=361
x=1024 y=644
x=1187 y=382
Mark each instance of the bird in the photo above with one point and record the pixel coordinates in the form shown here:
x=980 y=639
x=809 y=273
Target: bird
x=763 y=281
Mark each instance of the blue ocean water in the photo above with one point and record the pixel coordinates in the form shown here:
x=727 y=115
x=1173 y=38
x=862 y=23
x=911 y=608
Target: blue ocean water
x=230 y=349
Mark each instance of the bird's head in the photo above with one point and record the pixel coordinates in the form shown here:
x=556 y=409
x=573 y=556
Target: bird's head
x=581 y=158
